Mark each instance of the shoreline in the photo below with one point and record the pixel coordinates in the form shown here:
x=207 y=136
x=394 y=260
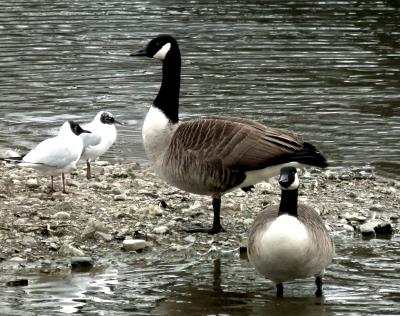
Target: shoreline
x=128 y=201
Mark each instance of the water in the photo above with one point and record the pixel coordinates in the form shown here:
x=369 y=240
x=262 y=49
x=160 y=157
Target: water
x=328 y=70
x=364 y=279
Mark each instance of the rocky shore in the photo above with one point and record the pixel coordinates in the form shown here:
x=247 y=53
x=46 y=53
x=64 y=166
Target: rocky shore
x=125 y=207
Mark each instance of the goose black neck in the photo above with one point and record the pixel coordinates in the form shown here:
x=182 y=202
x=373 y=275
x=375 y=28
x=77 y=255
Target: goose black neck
x=167 y=99
x=288 y=202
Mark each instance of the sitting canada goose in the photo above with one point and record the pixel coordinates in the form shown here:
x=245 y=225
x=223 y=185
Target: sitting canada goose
x=102 y=136
x=290 y=241
x=212 y=155
x=57 y=154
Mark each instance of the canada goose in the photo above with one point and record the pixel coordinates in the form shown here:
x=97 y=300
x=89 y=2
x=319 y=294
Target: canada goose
x=290 y=241
x=102 y=136
x=212 y=155
x=55 y=155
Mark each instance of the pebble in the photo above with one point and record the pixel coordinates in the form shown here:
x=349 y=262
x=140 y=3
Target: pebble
x=61 y=215
x=19 y=282
x=134 y=244
x=68 y=250
x=376 y=227
x=160 y=230
x=81 y=264
x=190 y=239
x=32 y=183
x=120 y=197
x=28 y=241
x=92 y=227
x=103 y=236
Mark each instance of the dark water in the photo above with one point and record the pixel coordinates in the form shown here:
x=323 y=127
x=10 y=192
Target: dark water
x=364 y=280
x=329 y=70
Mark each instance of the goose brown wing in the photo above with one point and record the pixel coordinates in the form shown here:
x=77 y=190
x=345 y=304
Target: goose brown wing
x=235 y=143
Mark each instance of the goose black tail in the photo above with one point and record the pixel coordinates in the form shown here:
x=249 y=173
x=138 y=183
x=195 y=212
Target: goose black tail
x=310 y=155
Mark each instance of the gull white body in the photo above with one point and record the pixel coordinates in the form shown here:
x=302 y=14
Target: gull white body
x=55 y=155
x=101 y=138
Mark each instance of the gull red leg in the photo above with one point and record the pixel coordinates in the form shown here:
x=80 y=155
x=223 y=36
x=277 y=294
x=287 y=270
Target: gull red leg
x=63 y=183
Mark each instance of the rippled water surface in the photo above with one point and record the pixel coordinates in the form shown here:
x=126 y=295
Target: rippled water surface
x=364 y=280
x=329 y=70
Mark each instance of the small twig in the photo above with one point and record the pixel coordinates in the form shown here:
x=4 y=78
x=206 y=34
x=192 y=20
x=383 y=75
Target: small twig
x=4 y=228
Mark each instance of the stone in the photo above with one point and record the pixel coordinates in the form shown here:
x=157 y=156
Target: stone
x=68 y=250
x=103 y=236
x=120 y=197
x=134 y=244
x=61 y=215
x=190 y=239
x=376 y=226
x=92 y=227
x=32 y=183
x=160 y=230
x=355 y=217
x=19 y=282
x=28 y=241
x=81 y=264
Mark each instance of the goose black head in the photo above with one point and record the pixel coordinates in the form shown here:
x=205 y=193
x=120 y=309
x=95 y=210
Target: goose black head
x=108 y=118
x=159 y=47
x=76 y=128
x=289 y=179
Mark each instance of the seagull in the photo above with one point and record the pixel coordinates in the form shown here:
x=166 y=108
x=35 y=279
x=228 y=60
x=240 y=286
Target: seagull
x=55 y=155
x=102 y=136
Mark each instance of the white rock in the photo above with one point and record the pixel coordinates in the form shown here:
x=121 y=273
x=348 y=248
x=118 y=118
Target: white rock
x=160 y=230
x=61 y=215
x=190 y=239
x=28 y=241
x=69 y=250
x=32 y=183
x=134 y=244
x=103 y=236
x=120 y=197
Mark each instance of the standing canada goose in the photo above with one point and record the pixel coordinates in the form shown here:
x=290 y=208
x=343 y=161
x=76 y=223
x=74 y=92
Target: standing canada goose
x=212 y=155
x=102 y=136
x=56 y=155
x=290 y=241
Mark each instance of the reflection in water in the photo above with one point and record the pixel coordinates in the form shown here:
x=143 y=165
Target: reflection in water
x=364 y=279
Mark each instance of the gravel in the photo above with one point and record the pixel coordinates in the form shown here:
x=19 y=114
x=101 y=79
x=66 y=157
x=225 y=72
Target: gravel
x=127 y=202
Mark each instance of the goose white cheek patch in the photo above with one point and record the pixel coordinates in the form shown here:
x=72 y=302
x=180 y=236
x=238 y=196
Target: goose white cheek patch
x=162 y=52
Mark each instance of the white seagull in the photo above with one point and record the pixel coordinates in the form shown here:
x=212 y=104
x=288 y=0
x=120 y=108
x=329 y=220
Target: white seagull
x=102 y=136
x=56 y=155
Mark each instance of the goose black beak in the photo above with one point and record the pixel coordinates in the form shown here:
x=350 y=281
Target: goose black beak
x=284 y=180
x=118 y=122
x=142 y=52
x=85 y=131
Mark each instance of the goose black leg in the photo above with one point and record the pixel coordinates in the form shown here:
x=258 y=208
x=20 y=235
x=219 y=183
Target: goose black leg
x=318 y=283
x=279 y=290
x=216 y=227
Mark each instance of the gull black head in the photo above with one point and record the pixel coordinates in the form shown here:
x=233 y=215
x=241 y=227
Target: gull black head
x=108 y=118
x=76 y=128
x=289 y=179
x=160 y=48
